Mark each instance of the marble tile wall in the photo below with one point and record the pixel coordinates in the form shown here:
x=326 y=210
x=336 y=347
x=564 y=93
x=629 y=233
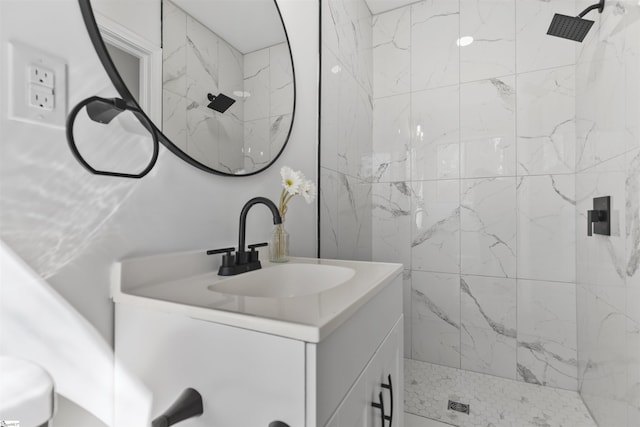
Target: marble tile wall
x=347 y=200
x=474 y=167
x=608 y=164
x=473 y=183
x=267 y=112
x=196 y=62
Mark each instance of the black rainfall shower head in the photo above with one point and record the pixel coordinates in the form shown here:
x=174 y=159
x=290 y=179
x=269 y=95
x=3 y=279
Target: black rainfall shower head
x=220 y=103
x=569 y=27
x=573 y=27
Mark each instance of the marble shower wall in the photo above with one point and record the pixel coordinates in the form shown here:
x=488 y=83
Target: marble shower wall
x=268 y=110
x=346 y=130
x=196 y=62
x=608 y=164
x=473 y=183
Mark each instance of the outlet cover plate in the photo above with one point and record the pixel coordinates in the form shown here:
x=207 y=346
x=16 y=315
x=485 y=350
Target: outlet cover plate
x=22 y=59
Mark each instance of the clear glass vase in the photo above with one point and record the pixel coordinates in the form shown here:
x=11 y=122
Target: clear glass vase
x=279 y=244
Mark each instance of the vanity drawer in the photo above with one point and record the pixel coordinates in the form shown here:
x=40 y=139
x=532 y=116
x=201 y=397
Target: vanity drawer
x=334 y=364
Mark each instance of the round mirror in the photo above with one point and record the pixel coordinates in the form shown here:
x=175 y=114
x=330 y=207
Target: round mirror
x=228 y=85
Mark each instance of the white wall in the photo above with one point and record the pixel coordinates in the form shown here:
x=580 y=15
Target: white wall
x=70 y=226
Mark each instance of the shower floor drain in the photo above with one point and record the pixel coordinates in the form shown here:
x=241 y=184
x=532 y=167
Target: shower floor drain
x=458 y=407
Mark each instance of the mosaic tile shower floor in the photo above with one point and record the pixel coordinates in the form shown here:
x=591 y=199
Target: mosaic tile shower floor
x=494 y=402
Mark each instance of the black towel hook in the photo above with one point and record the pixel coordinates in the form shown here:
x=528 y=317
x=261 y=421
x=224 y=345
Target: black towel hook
x=102 y=110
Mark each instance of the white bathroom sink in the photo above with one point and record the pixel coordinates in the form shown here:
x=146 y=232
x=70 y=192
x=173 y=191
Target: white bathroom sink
x=305 y=299
x=285 y=281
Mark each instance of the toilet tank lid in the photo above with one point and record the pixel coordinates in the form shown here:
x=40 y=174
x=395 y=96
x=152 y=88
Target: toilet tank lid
x=26 y=392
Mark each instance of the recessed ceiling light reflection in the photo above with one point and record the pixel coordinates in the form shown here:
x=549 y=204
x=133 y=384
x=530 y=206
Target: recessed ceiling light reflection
x=241 y=94
x=464 y=41
x=336 y=69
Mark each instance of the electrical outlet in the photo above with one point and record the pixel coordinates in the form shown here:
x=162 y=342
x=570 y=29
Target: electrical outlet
x=37 y=86
x=41 y=97
x=41 y=76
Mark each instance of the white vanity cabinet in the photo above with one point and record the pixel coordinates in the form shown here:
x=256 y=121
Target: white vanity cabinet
x=253 y=370
x=385 y=367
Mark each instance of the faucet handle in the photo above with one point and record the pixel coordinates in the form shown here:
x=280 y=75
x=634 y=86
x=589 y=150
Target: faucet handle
x=220 y=251
x=258 y=245
x=253 y=255
x=227 y=259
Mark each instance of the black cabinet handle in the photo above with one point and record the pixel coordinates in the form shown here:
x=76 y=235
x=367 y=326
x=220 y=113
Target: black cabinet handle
x=390 y=388
x=188 y=405
x=381 y=407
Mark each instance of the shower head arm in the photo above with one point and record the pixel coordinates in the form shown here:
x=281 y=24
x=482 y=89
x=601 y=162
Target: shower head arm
x=599 y=6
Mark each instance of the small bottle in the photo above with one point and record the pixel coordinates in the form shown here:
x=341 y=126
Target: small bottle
x=279 y=244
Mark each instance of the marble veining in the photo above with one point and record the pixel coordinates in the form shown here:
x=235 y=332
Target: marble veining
x=546 y=121
x=391 y=203
x=354 y=218
x=487 y=127
x=546 y=228
x=435 y=234
x=488 y=336
x=434 y=29
x=497 y=327
x=435 y=134
x=348 y=30
x=328 y=199
x=435 y=318
x=433 y=308
x=391 y=55
x=488 y=227
x=391 y=130
x=492 y=26
x=174 y=49
x=540 y=352
x=547 y=347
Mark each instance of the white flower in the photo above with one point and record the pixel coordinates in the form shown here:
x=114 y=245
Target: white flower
x=291 y=180
x=308 y=191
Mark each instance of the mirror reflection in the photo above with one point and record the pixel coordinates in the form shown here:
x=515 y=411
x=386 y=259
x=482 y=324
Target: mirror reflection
x=228 y=85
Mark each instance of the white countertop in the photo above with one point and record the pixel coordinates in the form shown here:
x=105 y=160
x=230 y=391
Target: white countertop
x=179 y=283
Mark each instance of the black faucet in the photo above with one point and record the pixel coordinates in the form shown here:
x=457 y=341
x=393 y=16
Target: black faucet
x=245 y=261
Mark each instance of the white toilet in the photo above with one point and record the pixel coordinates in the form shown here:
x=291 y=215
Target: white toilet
x=27 y=397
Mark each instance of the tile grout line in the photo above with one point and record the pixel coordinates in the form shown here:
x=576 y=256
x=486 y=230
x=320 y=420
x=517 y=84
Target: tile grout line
x=460 y=183
x=515 y=171
x=410 y=177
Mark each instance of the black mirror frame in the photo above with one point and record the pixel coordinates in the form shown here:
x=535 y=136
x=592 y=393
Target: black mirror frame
x=101 y=49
